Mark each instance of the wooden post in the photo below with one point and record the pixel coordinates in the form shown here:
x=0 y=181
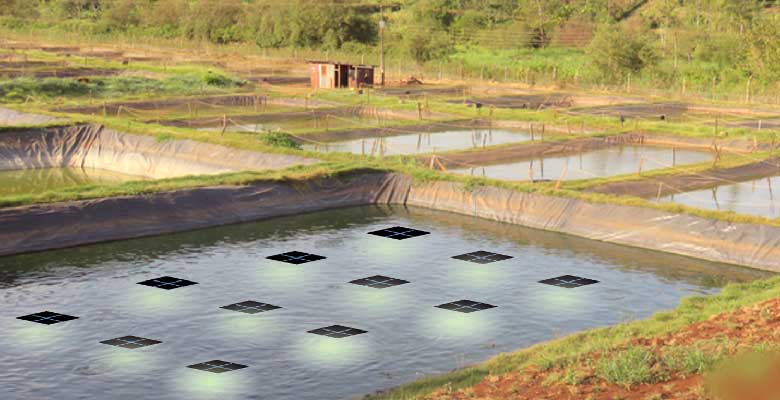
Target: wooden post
x=674 y=156
x=104 y=108
x=563 y=175
x=542 y=137
x=532 y=131
x=641 y=165
x=419 y=110
x=224 y=123
x=660 y=190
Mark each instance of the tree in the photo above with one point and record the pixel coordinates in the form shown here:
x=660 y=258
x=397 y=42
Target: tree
x=616 y=51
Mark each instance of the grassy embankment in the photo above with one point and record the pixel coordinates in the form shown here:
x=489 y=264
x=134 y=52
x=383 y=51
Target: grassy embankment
x=632 y=365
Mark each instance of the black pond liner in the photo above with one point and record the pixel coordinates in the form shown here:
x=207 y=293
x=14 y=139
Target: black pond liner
x=251 y=307
x=569 y=281
x=167 y=283
x=296 y=257
x=466 y=306
x=131 y=342
x=47 y=318
x=399 y=233
x=379 y=282
x=217 y=366
x=482 y=257
x=338 y=331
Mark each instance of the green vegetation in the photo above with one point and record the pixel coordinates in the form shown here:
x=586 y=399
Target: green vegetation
x=279 y=139
x=715 y=47
x=22 y=89
x=629 y=367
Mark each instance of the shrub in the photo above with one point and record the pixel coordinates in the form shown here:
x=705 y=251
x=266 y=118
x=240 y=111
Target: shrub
x=279 y=139
x=617 y=51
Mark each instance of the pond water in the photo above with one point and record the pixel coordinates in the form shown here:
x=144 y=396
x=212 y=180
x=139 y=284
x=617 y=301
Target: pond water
x=424 y=142
x=252 y=125
x=33 y=181
x=756 y=197
x=599 y=163
x=406 y=337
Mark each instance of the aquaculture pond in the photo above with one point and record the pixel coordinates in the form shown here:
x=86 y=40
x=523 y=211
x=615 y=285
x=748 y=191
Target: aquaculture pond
x=234 y=312
x=599 y=163
x=293 y=123
x=33 y=181
x=757 y=197
x=424 y=142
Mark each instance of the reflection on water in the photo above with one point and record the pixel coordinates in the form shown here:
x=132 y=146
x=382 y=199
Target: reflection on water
x=423 y=142
x=407 y=335
x=605 y=162
x=757 y=197
x=33 y=181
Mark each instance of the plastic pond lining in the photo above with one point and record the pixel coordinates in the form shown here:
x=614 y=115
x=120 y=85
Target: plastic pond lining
x=30 y=228
x=95 y=147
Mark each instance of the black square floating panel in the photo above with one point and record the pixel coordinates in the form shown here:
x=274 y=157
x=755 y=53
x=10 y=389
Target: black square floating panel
x=167 y=283
x=131 y=342
x=251 y=307
x=379 y=282
x=296 y=257
x=466 y=306
x=568 y=281
x=217 y=366
x=399 y=233
x=338 y=331
x=482 y=257
x=47 y=318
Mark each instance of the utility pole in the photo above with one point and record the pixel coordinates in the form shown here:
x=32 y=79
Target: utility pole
x=381 y=45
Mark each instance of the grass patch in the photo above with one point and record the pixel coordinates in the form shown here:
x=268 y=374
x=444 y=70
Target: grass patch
x=279 y=139
x=47 y=89
x=633 y=366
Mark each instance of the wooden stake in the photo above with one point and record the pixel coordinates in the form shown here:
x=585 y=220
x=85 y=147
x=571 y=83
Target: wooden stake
x=641 y=165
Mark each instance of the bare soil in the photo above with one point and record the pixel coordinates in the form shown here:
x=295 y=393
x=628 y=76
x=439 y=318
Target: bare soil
x=665 y=185
x=58 y=72
x=740 y=330
x=522 y=151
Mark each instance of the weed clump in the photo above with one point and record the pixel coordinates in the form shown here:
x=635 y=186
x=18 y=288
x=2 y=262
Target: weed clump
x=279 y=139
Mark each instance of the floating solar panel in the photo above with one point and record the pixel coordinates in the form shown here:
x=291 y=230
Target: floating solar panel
x=167 y=283
x=568 y=281
x=251 y=307
x=466 y=306
x=131 y=342
x=482 y=257
x=47 y=318
x=399 y=233
x=338 y=331
x=217 y=366
x=296 y=257
x=379 y=282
